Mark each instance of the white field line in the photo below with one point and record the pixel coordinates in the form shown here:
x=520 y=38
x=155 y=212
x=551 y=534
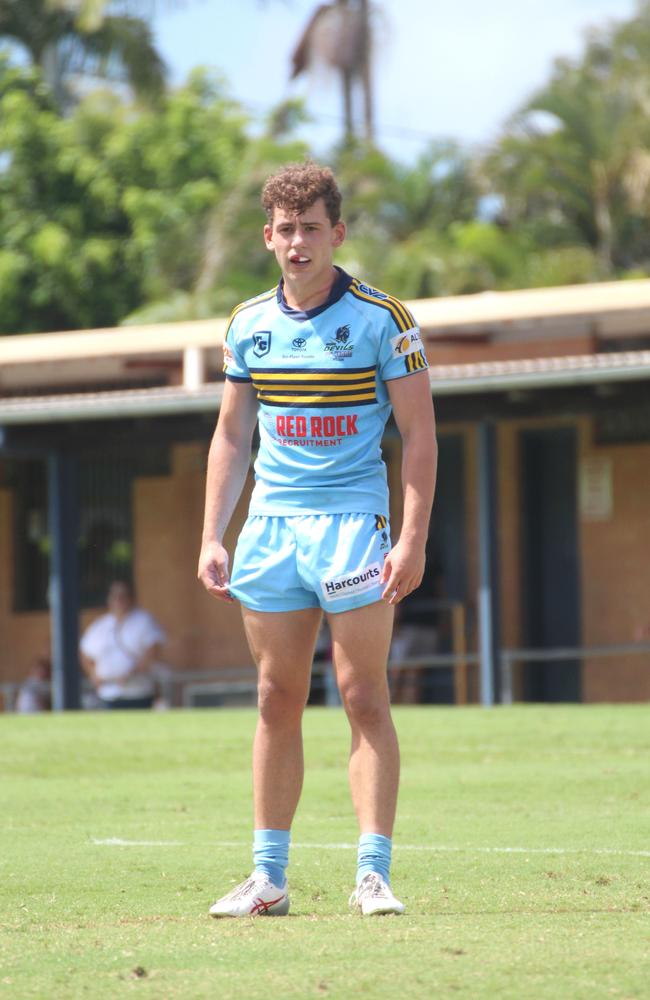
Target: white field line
x=118 y=842
x=431 y=848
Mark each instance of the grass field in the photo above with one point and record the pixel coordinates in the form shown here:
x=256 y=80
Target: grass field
x=522 y=853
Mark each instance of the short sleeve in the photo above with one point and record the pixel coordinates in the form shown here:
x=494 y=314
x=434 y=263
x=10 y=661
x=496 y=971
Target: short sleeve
x=150 y=631
x=401 y=352
x=234 y=365
x=91 y=641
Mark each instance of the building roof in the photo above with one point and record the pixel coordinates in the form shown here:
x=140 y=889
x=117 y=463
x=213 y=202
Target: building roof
x=191 y=350
x=540 y=373
x=126 y=341
x=608 y=304
x=446 y=380
x=605 y=303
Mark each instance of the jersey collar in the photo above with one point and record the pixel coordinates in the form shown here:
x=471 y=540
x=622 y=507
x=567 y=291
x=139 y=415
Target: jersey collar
x=339 y=288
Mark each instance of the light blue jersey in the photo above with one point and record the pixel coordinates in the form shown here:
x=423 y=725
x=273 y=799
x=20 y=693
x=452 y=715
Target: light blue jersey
x=320 y=378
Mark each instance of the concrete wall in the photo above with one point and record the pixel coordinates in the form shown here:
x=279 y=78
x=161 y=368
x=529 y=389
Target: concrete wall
x=616 y=575
x=455 y=352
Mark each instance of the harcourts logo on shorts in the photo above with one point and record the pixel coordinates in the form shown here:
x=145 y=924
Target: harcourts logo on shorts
x=351 y=583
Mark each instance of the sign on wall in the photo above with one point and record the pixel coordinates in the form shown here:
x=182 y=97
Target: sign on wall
x=596 y=489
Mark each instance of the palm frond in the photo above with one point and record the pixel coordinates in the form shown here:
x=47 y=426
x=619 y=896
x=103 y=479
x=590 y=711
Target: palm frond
x=121 y=50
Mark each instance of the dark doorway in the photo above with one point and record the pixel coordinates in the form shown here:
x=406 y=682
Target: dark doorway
x=426 y=616
x=550 y=573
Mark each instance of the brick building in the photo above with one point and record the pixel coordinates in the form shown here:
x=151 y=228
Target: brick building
x=539 y=536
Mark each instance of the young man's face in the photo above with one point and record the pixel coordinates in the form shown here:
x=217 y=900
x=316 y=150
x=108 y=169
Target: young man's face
x=304 y=244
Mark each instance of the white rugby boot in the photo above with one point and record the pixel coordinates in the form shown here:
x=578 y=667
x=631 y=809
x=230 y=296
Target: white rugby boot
x=257 y=896
x=373 y=897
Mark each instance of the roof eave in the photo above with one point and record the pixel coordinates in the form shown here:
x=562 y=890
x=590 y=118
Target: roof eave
x=446 y=380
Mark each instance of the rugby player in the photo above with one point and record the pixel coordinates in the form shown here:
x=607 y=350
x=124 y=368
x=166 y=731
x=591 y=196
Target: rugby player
x=318 y=363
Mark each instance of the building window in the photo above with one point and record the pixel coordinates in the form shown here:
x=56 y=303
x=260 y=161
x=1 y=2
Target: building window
x=28 y=483
x=105 y=537
x=105 y=526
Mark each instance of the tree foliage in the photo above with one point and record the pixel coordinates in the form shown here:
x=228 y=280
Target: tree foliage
x=71 y=40
x=573 y=168
x=108 y=208
x=117 y=212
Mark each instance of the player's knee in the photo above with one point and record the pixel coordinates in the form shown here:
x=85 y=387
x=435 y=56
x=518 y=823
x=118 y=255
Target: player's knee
x=366 y=705
x=278 y=703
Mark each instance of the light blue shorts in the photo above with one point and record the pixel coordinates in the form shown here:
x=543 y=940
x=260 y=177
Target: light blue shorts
x=309 y=560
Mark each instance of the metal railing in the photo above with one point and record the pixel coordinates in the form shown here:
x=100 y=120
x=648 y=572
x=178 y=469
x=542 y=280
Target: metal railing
x=184 y=687
x=508 y=657
x=187 y=688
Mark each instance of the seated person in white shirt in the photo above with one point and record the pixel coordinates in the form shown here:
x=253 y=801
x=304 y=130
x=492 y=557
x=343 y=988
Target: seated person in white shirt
x=120 y=648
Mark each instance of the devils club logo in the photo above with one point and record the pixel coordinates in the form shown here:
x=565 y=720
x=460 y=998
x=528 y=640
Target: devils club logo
x=340 y=346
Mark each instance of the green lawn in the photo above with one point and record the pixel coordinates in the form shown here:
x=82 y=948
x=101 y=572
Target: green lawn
x=522 y=853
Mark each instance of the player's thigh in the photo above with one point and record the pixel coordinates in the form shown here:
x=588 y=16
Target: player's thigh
x=361 y=641
x=264 y=573
x=282 y=644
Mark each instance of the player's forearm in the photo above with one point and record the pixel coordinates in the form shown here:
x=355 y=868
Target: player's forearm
x=419 y=464
x=227 y=468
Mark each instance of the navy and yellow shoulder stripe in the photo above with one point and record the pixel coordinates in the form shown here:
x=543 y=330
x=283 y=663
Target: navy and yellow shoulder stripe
x=415 y=362
x=249 y=303
x=402 y=317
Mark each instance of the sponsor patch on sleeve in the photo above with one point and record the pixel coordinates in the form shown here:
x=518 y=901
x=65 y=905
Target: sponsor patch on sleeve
x=228 y=358
x=406 y=343
x=356 y=582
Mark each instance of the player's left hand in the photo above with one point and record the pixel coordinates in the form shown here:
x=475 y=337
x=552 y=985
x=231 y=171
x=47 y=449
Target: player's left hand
x=402 y=572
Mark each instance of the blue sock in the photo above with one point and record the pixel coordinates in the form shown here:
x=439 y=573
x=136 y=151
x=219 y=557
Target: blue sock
x=271 y=854
x=374 y=855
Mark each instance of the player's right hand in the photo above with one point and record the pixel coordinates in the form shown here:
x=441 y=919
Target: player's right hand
x=213 y=571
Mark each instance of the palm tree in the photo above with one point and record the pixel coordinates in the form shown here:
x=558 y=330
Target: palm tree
x=338 y=35
x=574 y=156
x=76 y=38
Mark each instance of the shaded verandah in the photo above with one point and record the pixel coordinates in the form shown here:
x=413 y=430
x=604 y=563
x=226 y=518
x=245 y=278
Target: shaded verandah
x=485 y=394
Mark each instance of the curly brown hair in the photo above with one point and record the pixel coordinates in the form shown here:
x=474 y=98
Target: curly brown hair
x=297 y=186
